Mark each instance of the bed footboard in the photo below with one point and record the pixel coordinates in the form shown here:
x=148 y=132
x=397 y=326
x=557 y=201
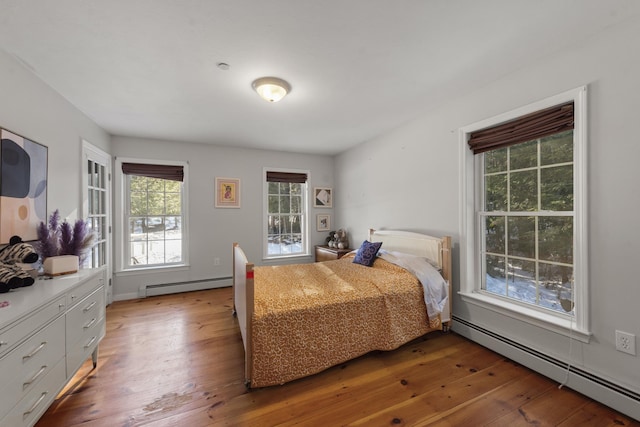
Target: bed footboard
x=446 y=273
x=243 y=304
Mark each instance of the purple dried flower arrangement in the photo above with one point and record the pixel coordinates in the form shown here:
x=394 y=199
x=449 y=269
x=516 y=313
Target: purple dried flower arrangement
x=57 y=238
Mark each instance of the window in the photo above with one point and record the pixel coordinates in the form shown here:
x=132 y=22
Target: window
x=154 y=217
x=527 y=221
x=525 y=237
x=285 y=213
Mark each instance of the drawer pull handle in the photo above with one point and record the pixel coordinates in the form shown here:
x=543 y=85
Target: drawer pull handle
x=34 y=352
x=89 y=307
x=90 y=343
x=3 y=343
x=35 y=405
x=35 y=377
x=90 y=324
x=61 y=305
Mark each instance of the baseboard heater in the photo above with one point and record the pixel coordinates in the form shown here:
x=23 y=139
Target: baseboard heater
x=611 y=394
x=193 y=285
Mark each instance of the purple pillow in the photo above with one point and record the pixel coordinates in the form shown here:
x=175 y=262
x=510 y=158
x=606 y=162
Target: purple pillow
x=367 y=253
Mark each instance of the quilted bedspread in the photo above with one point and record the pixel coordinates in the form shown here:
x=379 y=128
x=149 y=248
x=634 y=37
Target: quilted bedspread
x=309 y=317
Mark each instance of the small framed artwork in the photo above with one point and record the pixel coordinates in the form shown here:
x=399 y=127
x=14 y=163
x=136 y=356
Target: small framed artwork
x=323 y=222
x=227 y=192
x=323 y=197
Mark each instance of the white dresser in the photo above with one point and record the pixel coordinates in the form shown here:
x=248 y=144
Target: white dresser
x=46 y=332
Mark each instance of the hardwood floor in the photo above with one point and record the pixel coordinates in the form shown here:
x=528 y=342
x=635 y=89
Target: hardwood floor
x=177 y=360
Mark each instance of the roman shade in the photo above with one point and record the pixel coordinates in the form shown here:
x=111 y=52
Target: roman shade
x=170 y=172
x=290 y=177
x=535 y=125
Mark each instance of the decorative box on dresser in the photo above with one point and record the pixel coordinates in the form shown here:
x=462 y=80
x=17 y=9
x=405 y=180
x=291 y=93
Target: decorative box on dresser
x=325 y=253
x=47 y=331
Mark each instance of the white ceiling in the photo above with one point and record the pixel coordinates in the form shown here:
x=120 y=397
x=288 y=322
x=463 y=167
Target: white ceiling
x=148 y=68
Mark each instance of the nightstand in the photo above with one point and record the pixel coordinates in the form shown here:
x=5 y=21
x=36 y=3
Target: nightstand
x=325 y=253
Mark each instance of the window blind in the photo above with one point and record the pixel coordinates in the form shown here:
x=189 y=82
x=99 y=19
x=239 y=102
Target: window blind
x=290 y=177
x=522 y=129
x=170 y=172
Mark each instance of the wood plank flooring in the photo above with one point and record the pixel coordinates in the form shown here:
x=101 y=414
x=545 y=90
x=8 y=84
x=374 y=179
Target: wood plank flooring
x=177 y=360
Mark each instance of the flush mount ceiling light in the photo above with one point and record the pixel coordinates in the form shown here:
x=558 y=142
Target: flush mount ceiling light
x=271 y=89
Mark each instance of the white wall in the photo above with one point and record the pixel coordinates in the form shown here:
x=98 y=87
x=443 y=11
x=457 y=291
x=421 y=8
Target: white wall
x=409 y=179
x=213 y=231
x=34 y=110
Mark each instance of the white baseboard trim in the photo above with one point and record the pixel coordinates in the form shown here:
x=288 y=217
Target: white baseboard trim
x=124 y=297
x=174 y=288
x=617 y=397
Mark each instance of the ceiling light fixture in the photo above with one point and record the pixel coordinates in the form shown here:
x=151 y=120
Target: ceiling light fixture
x=271 y=89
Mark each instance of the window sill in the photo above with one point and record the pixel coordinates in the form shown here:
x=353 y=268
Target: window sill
x=153 y=269
x=559 y=325
x=287 y=258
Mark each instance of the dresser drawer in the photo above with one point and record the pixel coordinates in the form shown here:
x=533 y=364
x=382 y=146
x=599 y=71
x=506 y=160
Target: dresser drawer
x=78 y=293
x=83 y=318
x=26 y=365
x=37 y=400
x=12 y=336
x=78 y=353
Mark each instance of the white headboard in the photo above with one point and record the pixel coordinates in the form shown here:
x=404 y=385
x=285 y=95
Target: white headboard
x=409 y=242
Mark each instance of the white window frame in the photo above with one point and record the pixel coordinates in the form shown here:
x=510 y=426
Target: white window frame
x=121 y=226
x=305 y=215
x=471 y=239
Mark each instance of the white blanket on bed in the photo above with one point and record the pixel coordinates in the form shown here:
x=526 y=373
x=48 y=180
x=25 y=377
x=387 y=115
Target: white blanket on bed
x=435 y=287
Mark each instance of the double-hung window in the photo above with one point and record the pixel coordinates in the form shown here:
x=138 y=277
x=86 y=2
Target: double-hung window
x=153 y=214
x=285 y=216
x=526 y=241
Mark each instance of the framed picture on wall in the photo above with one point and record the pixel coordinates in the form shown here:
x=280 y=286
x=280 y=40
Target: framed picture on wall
x=227 y=193
x=322 y=197
x=323 y=222
x=23 y=186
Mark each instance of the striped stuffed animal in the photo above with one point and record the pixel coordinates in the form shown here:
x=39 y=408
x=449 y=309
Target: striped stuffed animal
x=11 y=275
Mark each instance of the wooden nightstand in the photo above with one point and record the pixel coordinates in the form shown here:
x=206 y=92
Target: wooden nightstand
x=325 y=253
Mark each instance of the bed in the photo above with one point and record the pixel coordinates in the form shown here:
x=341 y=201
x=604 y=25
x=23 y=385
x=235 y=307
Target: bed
x=298 y=320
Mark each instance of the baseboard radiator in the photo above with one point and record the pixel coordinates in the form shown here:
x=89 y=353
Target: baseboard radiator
x=194 y=285
x=613 y=395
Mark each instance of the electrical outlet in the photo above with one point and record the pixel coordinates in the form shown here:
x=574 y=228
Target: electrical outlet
x=216 y=261
x=626 y=342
